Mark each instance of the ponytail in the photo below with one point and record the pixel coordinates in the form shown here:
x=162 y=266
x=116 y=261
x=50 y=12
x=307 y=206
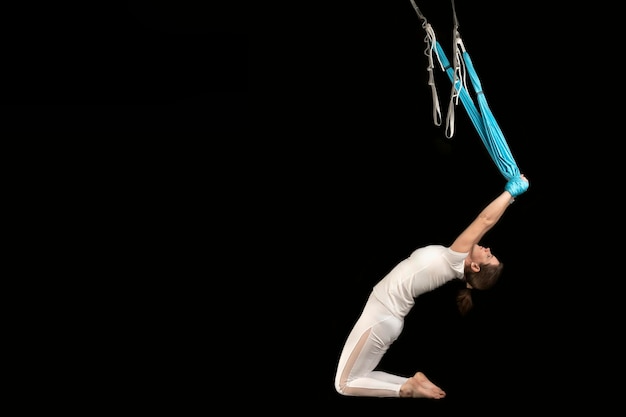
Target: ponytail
x=481 y=280
x=464 y=300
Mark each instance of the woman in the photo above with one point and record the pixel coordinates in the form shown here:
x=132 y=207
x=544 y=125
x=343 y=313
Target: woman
x=391 y=299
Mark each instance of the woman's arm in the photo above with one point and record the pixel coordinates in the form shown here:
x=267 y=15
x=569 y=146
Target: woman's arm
x=489 y=216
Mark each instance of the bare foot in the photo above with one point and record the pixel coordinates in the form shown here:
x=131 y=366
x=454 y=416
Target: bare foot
x=418 y=386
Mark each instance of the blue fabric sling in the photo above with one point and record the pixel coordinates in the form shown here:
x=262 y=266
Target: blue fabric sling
x=481 y=115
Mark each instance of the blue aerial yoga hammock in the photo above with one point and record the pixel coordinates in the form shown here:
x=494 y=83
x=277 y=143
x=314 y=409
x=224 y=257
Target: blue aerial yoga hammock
x=482 y=117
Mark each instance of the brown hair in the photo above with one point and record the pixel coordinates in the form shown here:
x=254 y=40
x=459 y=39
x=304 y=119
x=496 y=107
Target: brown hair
x=481 y=280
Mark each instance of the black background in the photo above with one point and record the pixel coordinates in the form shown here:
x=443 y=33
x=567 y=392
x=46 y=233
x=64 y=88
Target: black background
x=251 y=256
x=132 y=65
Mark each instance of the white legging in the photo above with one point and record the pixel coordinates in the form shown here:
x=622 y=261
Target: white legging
x=373 y=333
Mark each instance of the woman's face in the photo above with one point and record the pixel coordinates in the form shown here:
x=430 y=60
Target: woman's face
x=483 y=256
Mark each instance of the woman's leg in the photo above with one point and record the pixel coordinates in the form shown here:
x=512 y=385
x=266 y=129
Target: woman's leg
x=375 y=330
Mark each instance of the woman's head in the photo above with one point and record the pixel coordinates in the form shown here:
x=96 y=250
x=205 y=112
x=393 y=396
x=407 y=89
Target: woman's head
x=482 y=271
x=485 y=278
x=482 y=268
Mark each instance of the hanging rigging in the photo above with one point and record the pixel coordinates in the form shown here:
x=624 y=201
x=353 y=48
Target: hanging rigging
x=481 y=116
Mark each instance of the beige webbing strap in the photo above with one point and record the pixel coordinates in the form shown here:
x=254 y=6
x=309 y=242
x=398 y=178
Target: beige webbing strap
x=430 y=41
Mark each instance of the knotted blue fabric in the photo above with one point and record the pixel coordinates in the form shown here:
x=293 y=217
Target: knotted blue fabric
x=516 y=186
